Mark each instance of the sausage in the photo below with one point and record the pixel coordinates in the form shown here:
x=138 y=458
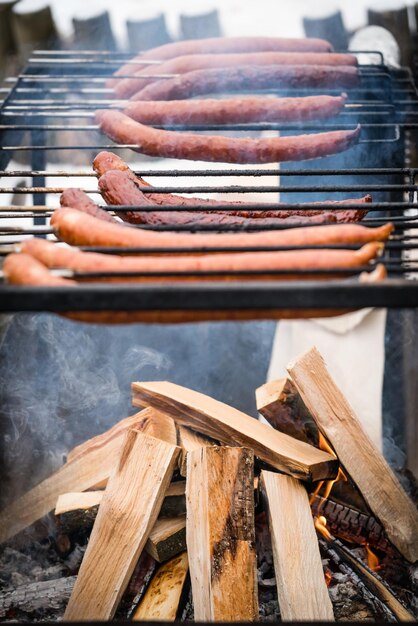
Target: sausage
x=54 y=256
x=107 y=161
x=23 y=269
x=172 y=144
x=77 y=199
x=242 y=110
x=124 y=88
x=249 y=78
x=222 y=45
x=83 y=230
x=119 y=187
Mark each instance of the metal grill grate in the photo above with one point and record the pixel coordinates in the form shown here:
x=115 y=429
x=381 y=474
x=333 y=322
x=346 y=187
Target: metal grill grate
x=57 y=94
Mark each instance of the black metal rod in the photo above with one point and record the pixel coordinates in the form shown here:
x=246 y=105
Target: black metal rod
x=233 y=189
x=374 y=171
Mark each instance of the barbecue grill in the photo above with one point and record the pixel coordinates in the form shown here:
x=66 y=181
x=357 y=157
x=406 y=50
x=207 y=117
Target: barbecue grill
x=65 y=87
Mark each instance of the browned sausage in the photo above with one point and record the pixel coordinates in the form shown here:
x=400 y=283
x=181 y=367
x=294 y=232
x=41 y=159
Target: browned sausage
x=54 y=256
x=23 y=269
x=235 y=110
x=124 y=88
x=107 y=161
x=249 y=77
x=222 y=45
x=83 y=230
x=119 y=187
x=77 y=199
x=172 y=144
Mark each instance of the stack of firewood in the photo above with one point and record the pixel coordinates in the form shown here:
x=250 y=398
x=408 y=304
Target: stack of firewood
x=128 y=485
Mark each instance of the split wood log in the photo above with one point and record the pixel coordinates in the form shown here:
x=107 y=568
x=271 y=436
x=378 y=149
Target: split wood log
x=360 y=458
x=122 y=525
x=167 y=538
x=39 y=598
x=301 y=588
x=174 y=503
x=85 y=470
x=150 y=422
x=78 y=510
x=163 y=596
x=75 y=500
x=190 y=440
x=220 y=533
x=232 y=427
x=138 y=584
x=280 y=403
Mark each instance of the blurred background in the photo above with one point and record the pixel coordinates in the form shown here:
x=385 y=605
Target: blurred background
x=142 y=24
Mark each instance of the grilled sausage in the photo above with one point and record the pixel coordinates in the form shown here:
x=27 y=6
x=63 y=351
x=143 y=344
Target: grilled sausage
x=124 y=88
x=249 y=77
x=222 y=45
x=54 y=256
x=77 y=199
x=242 y=110
x=77 y=229
x=107 y=161
x=23 y=269
x=165 y=143
x=119 y=187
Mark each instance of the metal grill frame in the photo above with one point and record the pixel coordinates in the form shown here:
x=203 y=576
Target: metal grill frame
x=400 y=107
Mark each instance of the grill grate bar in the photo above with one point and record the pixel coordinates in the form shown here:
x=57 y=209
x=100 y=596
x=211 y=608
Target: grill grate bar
x=234 y=189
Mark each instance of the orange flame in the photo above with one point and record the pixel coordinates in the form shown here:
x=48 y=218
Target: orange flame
x=372 y=559
x=315 y=493
x=328 y=577
x=321 y=525
x=324 y=445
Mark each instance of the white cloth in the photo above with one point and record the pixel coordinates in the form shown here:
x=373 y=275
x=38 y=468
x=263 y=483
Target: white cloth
x=353 y=348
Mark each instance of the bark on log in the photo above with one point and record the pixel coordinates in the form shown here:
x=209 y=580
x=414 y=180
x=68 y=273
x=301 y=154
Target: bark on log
x=167 y=538
x=40 y=598
x=220 y=534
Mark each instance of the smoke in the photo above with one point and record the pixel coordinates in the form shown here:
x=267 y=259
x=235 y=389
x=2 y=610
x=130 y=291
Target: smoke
x=62 y=382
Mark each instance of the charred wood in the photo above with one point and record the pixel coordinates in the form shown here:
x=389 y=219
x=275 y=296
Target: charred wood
x=39 y=599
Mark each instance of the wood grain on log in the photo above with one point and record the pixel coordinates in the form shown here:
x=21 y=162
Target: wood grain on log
x=232 y=427
x=122 y=526
x=301 y=587
x=163 y=596
x=360 y=458
x=85 y=470
x=220 y=534
x=190 y=440
x=148 y=421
